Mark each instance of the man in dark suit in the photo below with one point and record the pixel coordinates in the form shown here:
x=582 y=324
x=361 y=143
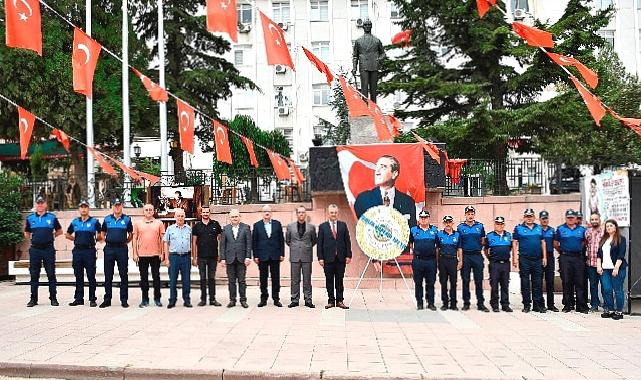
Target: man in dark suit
x=268 y=245
x=235 y=255
x=334 y=251
x=387 y=171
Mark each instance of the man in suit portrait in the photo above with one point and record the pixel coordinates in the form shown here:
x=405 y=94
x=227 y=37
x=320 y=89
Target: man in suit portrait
x=334 y=251
x=268 y=245
x=301 y=239
x=236 y=255
x=385 y=193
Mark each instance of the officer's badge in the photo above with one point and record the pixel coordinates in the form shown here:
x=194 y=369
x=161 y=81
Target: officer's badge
x=48 y=222
x=122 y=222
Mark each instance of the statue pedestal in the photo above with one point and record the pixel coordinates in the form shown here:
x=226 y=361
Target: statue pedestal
x=363 y=131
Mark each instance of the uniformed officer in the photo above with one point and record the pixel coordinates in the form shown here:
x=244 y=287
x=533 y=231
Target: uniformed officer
x=528 y=241
x=472 y=242
x=550 y=267
x=117 y=231
x=423 y=241
x=42 y=228
x=84 y=231
x=450 y=260
x=498 y=249
x=569 y=240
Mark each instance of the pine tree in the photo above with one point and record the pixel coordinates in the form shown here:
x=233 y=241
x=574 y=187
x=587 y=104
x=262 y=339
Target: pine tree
x=337 y=134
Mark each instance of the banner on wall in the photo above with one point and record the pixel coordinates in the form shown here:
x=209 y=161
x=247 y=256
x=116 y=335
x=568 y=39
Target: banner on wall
x=608 y=194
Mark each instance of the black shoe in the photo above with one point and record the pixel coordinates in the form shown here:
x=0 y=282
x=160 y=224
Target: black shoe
x=483 y=309
x=553 y=308
x=495 y=309
x=76 y=303
x=607 y=314
x=278 y=304
x=262 y=304
x=431 y=307
x=454 y=308
x=507 y=309
x=419 y=307
x=536 y=309
x=202 y=303
x=105 y=304
x=171 y=305
x=158 y=303
x=187 y=304
x=93 y=304
x=526 y=309
x=293 y=304
x=231 y=304
x=567 y=309
x=444 y=307
x=466 y=306
x=54 y=302
x=244 y=304
x=124 y=304
x=583 y=311
x=543 y=310
x=32 y=303
x=215 y=303
x=310 y=305
x=617 y=315
x=144 y=304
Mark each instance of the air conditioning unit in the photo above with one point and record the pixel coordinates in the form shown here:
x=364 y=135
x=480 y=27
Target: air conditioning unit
x=359 y=23
x=397 y=105
x=280 y=69
x=519 y=14
x=283 y=111
x=244 y=28
x=283 y=25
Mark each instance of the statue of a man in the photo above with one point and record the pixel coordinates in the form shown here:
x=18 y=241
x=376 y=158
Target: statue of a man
x=368 y=51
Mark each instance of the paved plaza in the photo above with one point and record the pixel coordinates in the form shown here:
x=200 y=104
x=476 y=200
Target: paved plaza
x=387 y=339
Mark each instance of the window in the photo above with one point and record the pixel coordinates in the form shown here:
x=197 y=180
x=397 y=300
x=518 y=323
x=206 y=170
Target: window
x=280 y=12
x=319 y=10
x=238 y=57
x=521 y=4
x=395 y=13
x=359 y=9
x=321 y=50
x=289 y=135
x=607 y=35
x=244 y=13
x=604 y=4
x=322 y=94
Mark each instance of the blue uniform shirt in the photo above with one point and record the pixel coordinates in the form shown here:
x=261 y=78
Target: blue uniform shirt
x=471 y=236
x=548 y=235
x=117 y=229
x=424 y=241
x=529 y=240
x=570 y=239
x=84 y=232
x=42 y=228
x=178 y=238
x=449 y=243
x=500 y=246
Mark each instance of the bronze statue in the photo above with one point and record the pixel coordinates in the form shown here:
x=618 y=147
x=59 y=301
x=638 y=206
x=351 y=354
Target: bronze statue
x=368 y=51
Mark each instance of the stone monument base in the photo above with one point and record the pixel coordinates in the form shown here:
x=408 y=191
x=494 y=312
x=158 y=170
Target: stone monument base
x=363 y=131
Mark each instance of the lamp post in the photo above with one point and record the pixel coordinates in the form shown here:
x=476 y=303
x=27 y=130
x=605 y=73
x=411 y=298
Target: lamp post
x=137 y=152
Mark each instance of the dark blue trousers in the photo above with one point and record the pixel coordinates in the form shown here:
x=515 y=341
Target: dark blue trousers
x=424 y=271
x=573 y=279
x=179 y=264
x=500 y=278
x=531 y=272
x=473 y=262
x=548 y=277
x=447 y=268
x=38 y=257
x=84 y=260
x=119 y=256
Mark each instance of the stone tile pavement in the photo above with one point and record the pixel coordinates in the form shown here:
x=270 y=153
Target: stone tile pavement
x=375 y=339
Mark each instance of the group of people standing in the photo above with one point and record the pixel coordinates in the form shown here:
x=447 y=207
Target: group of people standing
x=180 y=247
x=594 y=254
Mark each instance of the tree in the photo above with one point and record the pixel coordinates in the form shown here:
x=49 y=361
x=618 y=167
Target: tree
x=477 y=106
x=337 y=134
x=195 y=70
x=10 y=217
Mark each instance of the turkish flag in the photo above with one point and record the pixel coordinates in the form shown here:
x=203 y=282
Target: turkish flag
x=297 y=173
x=26 y=121
x=62 y=138
x=403 y=38
x=102 y=162
x=590 y=77
x=156 y=92
x=396 y=125
x=223 y=153
x=454 y=167
x=222 y=17
x=484 y=6
x=280 y=166
x=533 y=36
x=632 y=123
x=250 y=150
x=127 y=170
x=429 y=147
x=23 y=23
x=591 y=101
x=186 y=126
x=84 y=61
x=355 y=103
x=320 y=65
x=275 y=46
x=382 y=131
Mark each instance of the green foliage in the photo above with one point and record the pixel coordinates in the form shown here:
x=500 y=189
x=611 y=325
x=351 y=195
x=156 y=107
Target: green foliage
x=37 y=163
x=10 y=217
x=149 y=166
x=337 y=134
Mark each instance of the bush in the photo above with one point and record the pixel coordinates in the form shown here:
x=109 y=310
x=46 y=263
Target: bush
x=10 y=217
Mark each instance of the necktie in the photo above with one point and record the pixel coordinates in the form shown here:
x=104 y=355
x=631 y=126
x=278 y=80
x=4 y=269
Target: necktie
x=386 y=200
x=334 y=229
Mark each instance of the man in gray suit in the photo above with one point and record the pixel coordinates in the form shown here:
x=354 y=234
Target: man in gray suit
x=301 y=238
x=235 y=254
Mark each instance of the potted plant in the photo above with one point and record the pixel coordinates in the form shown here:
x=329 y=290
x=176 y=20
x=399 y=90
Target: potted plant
x=10 y=219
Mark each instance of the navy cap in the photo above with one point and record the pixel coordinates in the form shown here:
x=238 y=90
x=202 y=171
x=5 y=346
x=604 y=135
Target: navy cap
x=448 y=218
x=117 y=201
x=499 y=219
x=40 y=199
x=569 y=213
x=528 y=212
x=469 y=208
x=83 y=202
x=579 y=214
x=544 y=215
x=424 y=213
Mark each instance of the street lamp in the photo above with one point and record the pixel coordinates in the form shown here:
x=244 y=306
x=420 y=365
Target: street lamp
x=137 y=150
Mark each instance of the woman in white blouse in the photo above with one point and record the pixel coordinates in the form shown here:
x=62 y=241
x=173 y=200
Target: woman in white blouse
x=611 y=265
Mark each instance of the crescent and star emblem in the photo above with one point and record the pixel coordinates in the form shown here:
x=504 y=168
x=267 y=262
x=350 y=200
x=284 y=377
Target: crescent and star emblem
x=85 y=49
x=278 y=35
x=184 y=125
x=23 y=16
x=222 y=133
x=565 y=60
x=224 y=4
x=24 y=122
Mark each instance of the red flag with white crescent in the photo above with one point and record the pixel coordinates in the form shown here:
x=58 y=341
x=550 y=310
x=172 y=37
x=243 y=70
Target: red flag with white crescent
x=280 y=166
x=186 y=126
x=396 y=125
x=590 y=77
x=26 y=120
x=382 y=131
x=222 y=17
x=533 y=36
x=62 y=138
x=320 y=65
x=149 y=177
x=156 y=92
x=591 y=101
x=355 y=103
x=102 y=162
x=127 y=170
x=250 y=150
x=23 y=24
x=275 y=45
x=297 y=173
x=221 y=134
x=402 y=37
x=429 y=147
x=84 y=60
x=484 y=6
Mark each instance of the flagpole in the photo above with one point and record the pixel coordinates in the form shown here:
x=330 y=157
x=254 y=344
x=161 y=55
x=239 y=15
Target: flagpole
x=125 y=99
x=164 y=167
x=91 y=170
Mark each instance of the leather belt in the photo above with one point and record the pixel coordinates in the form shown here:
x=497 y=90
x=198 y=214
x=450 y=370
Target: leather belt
x=424 y=257
x=450 y=257
x=471 y=253
x=79 y=246
x=567 y=253
x=116 y=245
x=499 y=261
x=43 y=246
x=180 y=253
